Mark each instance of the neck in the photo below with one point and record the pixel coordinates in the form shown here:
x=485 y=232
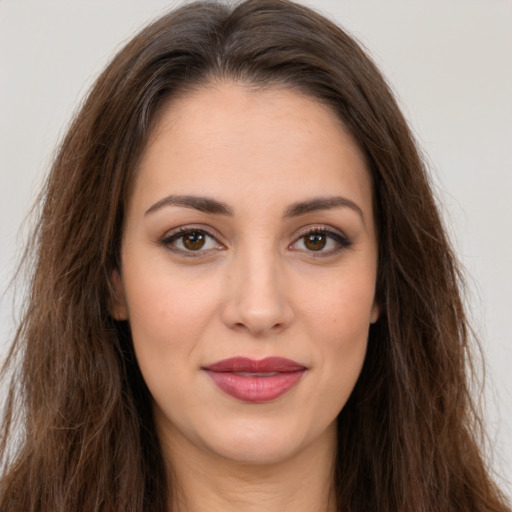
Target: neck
x=203 y=481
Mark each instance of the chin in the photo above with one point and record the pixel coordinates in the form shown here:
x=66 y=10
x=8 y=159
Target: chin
x=258 y=451
x=261 y=443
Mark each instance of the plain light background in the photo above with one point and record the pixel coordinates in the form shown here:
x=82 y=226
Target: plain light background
x=449 y=62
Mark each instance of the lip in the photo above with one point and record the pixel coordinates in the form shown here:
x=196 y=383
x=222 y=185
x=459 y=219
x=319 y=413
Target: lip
x=255 y=381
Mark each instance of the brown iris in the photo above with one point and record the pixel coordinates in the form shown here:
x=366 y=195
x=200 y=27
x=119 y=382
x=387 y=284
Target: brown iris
x=315 y=241
x=194 y=240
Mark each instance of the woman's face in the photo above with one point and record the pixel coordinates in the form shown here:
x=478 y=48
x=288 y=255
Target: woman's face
x=249 y=261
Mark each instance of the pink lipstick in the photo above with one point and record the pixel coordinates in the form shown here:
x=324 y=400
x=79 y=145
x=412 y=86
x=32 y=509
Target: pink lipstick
x=255 y=381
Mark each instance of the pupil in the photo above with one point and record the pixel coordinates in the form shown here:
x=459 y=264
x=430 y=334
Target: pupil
x=315 y=242
x=194 y=241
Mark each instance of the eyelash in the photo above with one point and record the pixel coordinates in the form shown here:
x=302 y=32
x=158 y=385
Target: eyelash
x=341 y=241
x=170 y=239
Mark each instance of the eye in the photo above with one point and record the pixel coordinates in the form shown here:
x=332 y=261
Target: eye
x=190 y=240
x=322 y=241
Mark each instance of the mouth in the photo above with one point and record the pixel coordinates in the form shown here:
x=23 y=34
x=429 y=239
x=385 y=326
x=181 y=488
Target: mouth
x=255 y=381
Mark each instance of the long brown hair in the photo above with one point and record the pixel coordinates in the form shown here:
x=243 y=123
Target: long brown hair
x=78 y=432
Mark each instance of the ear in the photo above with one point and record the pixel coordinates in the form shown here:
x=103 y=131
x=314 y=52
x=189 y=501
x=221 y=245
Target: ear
x=118 y=307
x=375 y=311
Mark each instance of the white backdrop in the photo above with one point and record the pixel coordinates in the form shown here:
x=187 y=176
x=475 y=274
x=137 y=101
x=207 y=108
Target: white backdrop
x=449 y=62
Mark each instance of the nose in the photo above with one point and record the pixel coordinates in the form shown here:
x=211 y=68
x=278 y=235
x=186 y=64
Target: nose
x=257 y=296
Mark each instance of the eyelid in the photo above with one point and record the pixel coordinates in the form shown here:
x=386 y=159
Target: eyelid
x=342 y=240
x=176 y=233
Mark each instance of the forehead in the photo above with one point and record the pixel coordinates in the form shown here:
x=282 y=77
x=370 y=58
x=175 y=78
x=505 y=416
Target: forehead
x=235 y=141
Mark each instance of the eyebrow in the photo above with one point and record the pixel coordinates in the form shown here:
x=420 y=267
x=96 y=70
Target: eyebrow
x=322 y=203
x=203 y=204
x=213 y=206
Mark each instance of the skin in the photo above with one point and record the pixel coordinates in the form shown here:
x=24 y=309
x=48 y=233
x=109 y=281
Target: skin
x=255 y=289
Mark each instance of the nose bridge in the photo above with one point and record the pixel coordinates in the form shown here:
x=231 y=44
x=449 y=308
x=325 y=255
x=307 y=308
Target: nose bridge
x=256 y=298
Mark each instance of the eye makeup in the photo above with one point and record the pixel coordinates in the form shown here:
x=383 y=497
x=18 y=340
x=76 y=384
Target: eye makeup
x=317 y=241
x=321 y=241
x=191 y=241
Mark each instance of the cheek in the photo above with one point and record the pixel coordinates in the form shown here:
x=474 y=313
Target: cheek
x=167 y=315
x=342 y=308
x=339 y=321
x=167 y=302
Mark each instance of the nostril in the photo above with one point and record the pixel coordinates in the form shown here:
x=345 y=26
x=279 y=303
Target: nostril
x=255 y=302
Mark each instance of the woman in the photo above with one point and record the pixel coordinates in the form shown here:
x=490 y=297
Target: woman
x=243 y=295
